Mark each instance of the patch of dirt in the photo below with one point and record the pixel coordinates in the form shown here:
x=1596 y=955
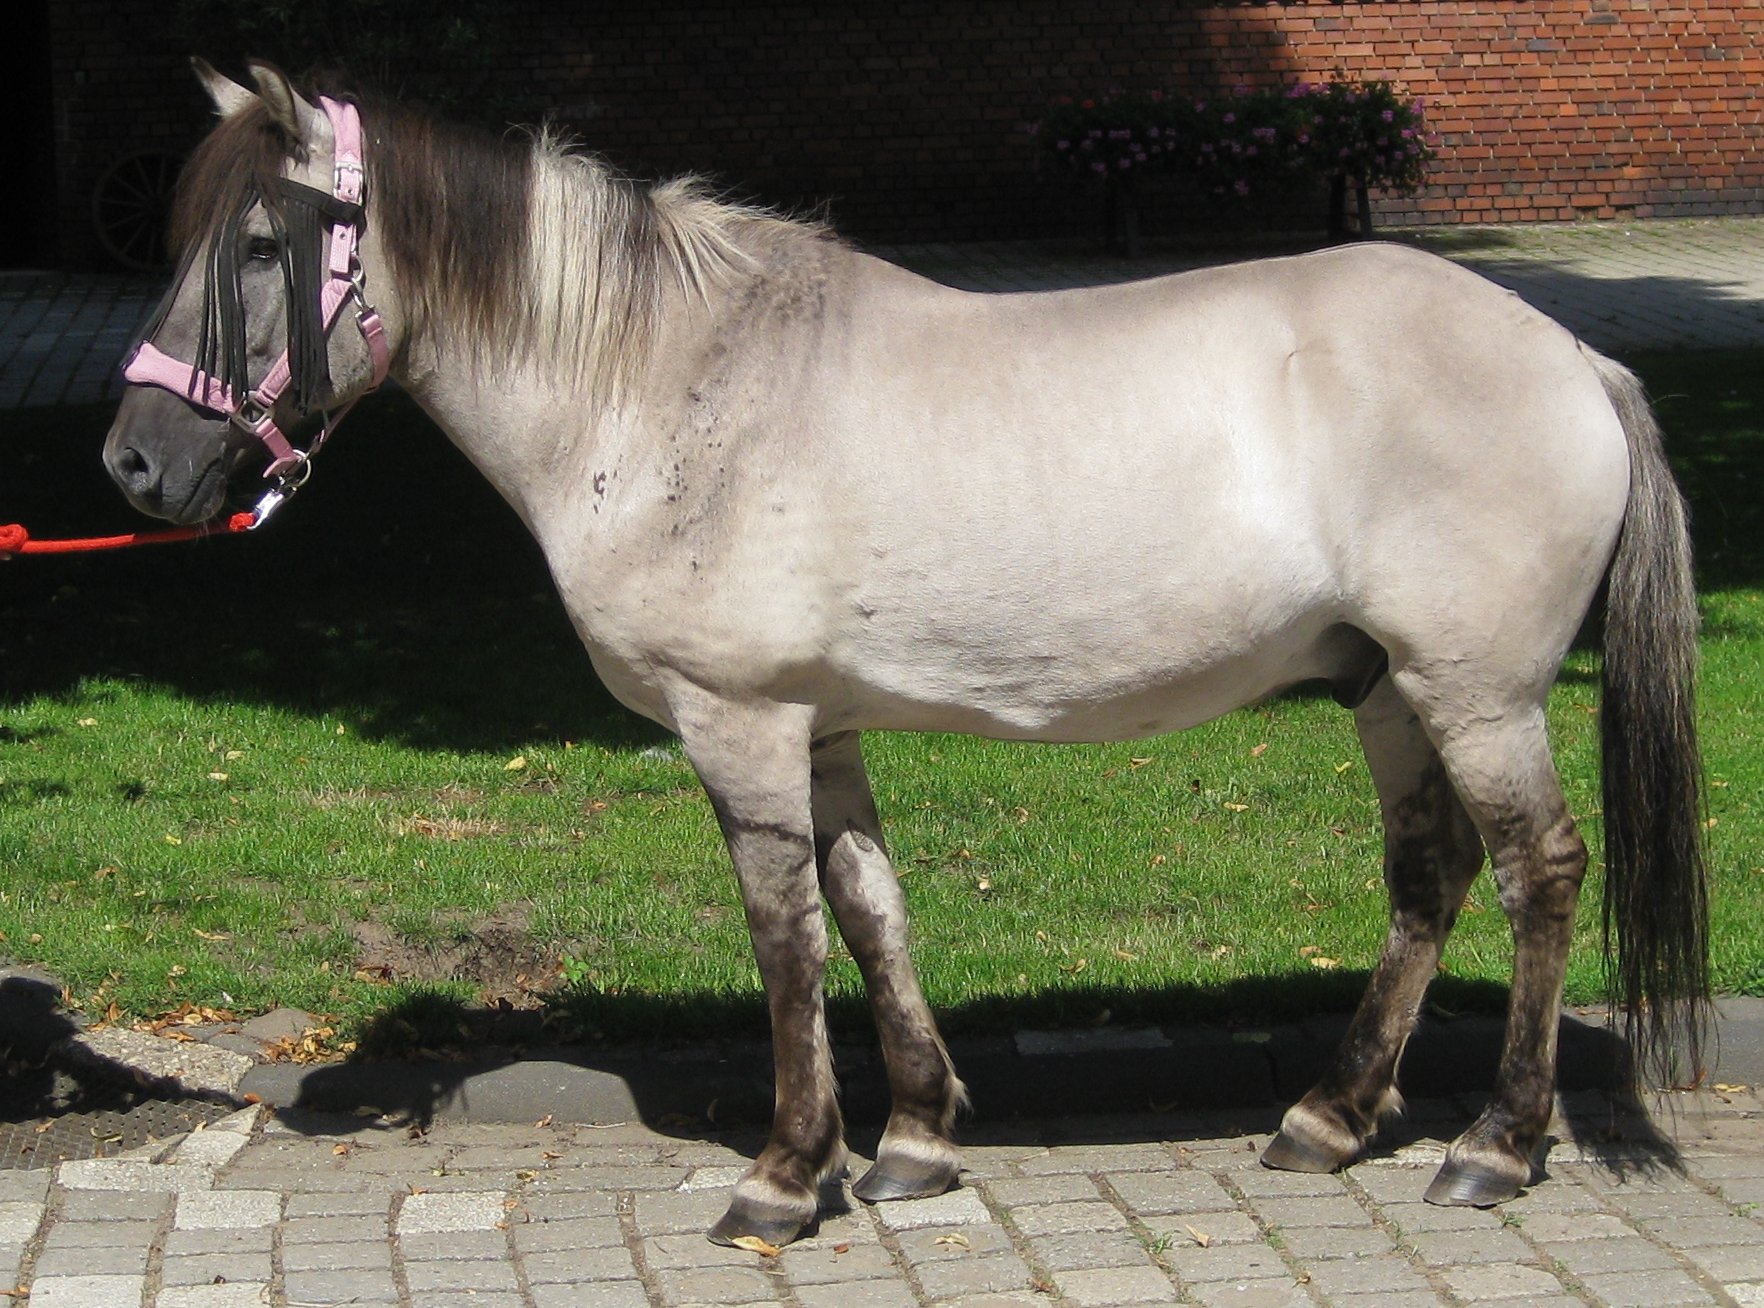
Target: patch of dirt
x=496 y=953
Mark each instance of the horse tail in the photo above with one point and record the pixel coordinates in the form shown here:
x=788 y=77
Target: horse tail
x=1656 y=908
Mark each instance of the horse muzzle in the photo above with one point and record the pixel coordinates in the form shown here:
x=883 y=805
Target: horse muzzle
x=170 y=461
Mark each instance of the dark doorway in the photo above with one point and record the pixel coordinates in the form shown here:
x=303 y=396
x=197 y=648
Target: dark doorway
x=27 y=103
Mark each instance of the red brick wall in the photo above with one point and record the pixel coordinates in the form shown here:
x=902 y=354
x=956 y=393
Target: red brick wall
x=908 y=119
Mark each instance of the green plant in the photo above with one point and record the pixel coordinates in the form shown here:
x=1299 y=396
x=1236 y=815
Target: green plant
x=1366 y=132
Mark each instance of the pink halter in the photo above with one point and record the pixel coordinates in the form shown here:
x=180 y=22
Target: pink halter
x=255 y=412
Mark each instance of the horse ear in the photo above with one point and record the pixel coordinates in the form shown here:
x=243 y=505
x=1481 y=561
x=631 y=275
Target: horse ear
x=294 y=115
x=228 y=96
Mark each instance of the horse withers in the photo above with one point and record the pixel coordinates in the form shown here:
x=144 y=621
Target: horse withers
x=789 y=493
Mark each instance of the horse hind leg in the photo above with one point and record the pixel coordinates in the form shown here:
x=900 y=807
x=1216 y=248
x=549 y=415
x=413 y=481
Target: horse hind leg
x=1503 y=769
x=1431 y=855
x=917 y=1155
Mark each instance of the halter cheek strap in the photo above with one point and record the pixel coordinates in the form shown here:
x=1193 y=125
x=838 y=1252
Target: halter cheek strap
x=254 y=413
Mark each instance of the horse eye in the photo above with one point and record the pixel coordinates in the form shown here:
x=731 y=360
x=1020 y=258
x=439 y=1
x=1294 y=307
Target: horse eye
x=263 y=248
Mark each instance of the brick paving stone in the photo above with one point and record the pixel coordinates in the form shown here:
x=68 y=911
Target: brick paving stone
x=1563 y=1228
x=1061 y=1219
x=349 y=1285
x=431 y=1246
x=968 y=1276
x=337 y=1204
x=1743 y=1262
x=1750 y=1295
x=567 y=1179
x=673 y=1251
x=335 y=1230
x=932 y=1244
x=92 y=1260
x=554 y=1266
x=1061 y=1187
x=1421 y=1218
x=1377 y=1274
x=567 y=1233
x=1326 y=1243
x=958 y=1207
x=438 y=1275
x=1589 y=1257
x=1410 y=1299
x=865 y=1294
x=1500 y=1281
x=1101 y=1286
x=1172 y=1192
x=65 y=1234
x=235 y=1240
x=1651 y=1289
x=1269 y=1292
x=1066 y=1253
x=19 y=1220
x=1460 y=1248
x=1694 y=1204
x=1232 y=1262
x=95 y=1291
x=574 y=1204
x=472 y=1210
x=108 y=1206
x=209 y=1268
x=1693 y=1232
x=234 y=1294
x=1327 y=1210
x=658 y=1212
x=324 y=1257
x=717 y=1285
x=820 y=1266
x=592 y=1294
x=132 y=1177
x=1206 y=1229
x=214 y=1209
x=1265 y=1183
x=24 y=1185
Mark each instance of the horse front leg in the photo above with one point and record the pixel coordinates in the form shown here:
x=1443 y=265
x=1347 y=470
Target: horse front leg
x=917 y=1155
x=754 y=764
x=1431 y=855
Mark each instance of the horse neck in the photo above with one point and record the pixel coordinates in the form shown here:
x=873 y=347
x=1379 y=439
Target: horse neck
x=581 y=342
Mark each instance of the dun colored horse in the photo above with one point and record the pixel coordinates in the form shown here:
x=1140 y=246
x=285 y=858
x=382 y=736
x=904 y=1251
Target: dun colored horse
x=789 y=493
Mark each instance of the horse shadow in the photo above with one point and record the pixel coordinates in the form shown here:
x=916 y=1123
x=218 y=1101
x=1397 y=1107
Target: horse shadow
x=49 y=1075
x=1170 y=1082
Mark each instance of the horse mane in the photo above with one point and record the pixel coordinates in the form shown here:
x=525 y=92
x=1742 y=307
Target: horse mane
x=509 y=248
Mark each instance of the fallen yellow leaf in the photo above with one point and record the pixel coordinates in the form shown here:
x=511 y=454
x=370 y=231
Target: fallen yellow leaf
x=515 y=764
x=1199 y=1237
x=754 y=1244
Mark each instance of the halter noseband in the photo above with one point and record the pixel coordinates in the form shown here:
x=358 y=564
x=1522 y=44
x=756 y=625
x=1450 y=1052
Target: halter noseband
x=341 y=212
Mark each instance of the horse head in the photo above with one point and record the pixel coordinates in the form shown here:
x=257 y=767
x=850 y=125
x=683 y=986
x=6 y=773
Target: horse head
x=266 y=329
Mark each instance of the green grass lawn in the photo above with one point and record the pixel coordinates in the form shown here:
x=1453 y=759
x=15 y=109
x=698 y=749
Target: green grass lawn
x=359 y=759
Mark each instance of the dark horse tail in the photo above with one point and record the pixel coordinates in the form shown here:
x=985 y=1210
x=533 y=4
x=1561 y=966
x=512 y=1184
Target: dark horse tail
x=1656 y=911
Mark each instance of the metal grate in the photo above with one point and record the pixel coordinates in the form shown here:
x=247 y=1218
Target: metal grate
x=50 y=1113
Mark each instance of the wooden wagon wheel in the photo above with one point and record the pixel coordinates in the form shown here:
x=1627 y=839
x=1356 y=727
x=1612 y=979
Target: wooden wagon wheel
x=130 y=206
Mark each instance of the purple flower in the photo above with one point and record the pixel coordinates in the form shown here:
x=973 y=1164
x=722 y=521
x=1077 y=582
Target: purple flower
x=1231 y=118
x=1389 y=115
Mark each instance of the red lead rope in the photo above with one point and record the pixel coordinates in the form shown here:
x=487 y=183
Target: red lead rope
x=14 y=539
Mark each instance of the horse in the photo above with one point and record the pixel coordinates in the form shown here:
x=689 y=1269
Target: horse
x=789 y=492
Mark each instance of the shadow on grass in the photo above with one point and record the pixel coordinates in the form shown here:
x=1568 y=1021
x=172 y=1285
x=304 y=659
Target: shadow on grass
x=398 y=593
x=695 y=1064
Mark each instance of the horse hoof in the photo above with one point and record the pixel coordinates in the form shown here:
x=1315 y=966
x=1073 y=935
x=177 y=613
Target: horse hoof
x=739 y=1225
x=903 y=1178
x=1288 y=1153
x=1470 y=1185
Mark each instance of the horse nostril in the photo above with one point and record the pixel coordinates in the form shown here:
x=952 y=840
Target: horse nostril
x=130 y=466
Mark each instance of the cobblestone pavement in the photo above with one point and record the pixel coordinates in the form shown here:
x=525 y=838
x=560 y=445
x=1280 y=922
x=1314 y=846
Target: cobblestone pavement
x=1080 y=1213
